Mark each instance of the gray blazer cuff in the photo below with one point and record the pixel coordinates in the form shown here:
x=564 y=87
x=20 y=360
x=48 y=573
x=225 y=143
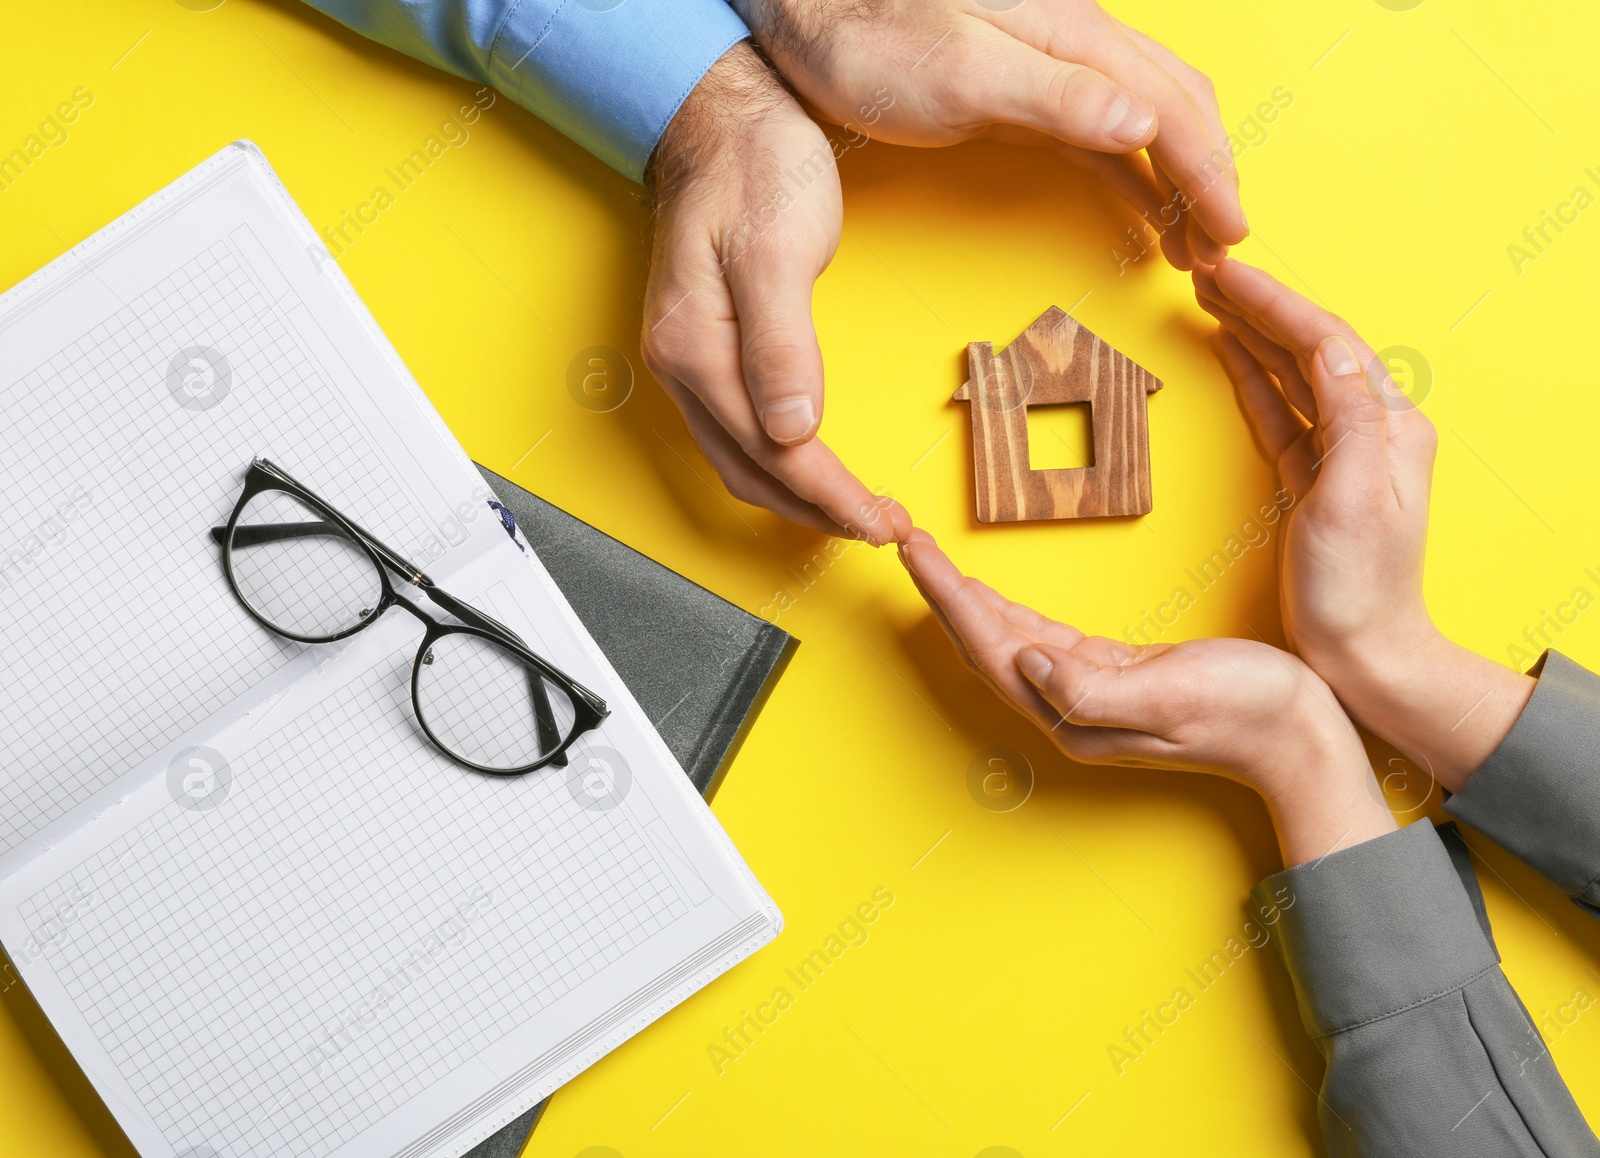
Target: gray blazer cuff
x=1376 y=929
x=1538 y=794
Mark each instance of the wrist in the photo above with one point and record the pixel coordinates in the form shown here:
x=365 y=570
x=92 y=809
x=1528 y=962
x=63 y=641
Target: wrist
x=736 y=93
x=1331 y=800
x=792 y=35
x=1373 y=667
x=1446 y=707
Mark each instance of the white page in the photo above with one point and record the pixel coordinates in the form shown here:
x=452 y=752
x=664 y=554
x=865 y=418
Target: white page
x=111 y=597
x=357 y=946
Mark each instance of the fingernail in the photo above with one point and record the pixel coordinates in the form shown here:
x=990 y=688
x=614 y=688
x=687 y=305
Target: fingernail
x=907 y=559
x=1127 y=121
x=790 y=419
x=1337 y=359
x=1035 y=664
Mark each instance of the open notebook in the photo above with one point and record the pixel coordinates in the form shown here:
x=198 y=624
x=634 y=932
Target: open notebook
x=263 y=913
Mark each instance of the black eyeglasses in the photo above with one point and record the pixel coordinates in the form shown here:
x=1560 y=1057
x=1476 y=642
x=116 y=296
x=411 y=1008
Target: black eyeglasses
x=481 y=695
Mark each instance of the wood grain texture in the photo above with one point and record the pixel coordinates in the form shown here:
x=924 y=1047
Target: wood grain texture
x=1057 y=360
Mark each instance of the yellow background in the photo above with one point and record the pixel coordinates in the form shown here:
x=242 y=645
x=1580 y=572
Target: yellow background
x=1418 y=146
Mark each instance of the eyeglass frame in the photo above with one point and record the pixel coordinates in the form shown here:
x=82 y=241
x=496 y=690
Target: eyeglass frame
x=588 y=708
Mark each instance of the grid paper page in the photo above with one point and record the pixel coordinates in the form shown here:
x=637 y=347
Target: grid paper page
x=264 y=1012
x=343 y=943
x=114 y=620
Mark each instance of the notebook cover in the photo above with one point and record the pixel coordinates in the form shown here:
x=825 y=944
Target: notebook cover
x=700 y=667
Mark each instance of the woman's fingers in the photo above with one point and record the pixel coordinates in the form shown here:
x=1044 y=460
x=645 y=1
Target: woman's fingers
x=1355 y=423
x=1100 y=701
x=1281 y=364
x=1288 y=318
x=1110 y=712
x=1277 y=424
x=977 y=628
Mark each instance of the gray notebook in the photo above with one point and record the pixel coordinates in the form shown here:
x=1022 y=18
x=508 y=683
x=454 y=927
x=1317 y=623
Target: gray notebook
x=700 y=667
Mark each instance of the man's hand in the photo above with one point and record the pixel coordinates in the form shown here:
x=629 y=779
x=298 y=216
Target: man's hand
x=748 y=216
x=1360 y=457
x=1231 y=707
x=1059 y=72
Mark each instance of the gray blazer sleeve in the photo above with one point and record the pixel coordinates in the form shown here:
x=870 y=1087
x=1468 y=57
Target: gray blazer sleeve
x=1538 y=794
x=1429 y=1052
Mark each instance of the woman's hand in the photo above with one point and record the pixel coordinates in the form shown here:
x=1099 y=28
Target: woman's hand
x=1230 y=707
x=1359 y=456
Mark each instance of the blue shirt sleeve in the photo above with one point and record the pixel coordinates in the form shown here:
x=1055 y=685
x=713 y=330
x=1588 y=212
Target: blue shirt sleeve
x=610 y=74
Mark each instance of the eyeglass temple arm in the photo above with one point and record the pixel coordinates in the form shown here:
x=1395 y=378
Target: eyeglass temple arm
x=548 y=732
x=472 y=617
x=544 y=714
x=283 y=480
x=257 y=534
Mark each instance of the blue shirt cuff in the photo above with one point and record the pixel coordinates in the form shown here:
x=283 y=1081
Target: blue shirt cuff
x=610 y=74
x=611 y=80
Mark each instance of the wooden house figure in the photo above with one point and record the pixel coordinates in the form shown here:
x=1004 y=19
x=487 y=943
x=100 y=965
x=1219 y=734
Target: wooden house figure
x=1057 y=361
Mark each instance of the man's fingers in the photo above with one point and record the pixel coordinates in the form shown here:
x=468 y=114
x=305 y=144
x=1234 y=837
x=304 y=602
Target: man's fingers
x=1170 y=215
x=695 y=343
x=1188 y=142
x=1190 y=146
x=727 y=314
x=1194 y=82
x=1206 y=249
x=1002 y=80
x=771 y=288
x=744 y=479
x=1128 y=175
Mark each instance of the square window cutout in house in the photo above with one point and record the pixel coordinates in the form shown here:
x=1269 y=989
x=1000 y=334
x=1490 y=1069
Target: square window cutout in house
x=1060 y=436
